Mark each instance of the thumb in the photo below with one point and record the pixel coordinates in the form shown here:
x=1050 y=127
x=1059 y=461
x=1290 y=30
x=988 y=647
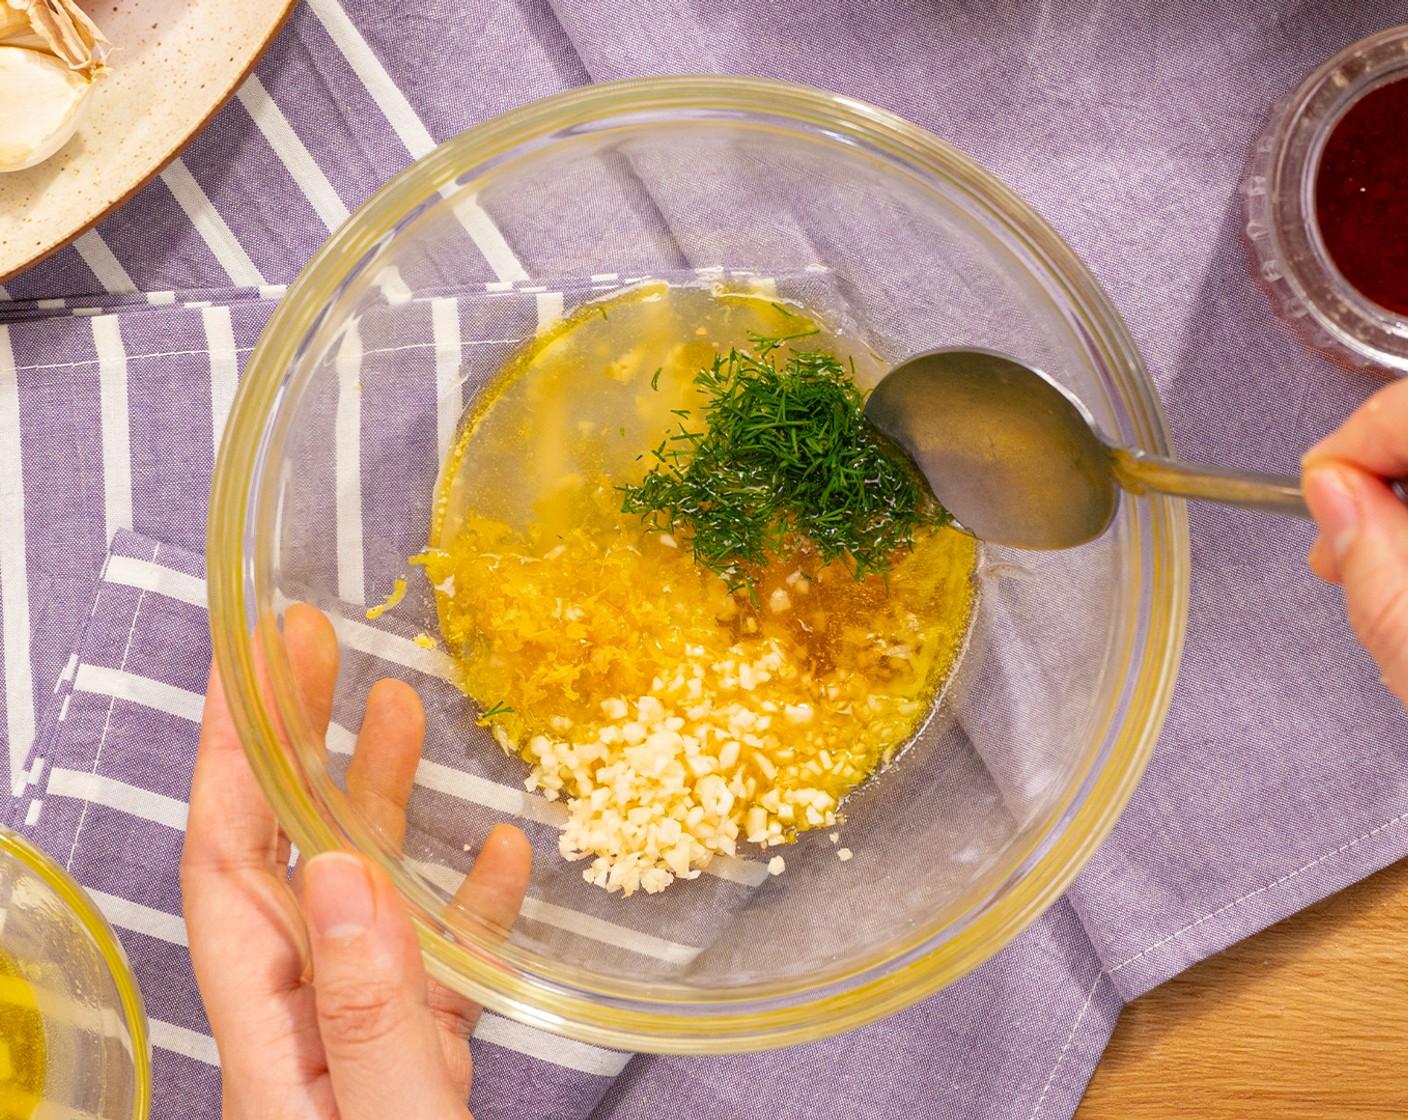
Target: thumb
x=1365 y=528
x=379 y=1036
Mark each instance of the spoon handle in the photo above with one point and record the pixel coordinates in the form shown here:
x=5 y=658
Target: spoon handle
x=1273 y=493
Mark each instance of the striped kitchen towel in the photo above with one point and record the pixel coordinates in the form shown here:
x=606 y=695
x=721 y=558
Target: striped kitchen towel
x=104 y=791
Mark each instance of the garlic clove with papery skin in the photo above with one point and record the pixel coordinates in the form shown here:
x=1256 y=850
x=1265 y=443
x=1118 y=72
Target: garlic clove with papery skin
x=13 y=21
x=50 y=52
x=60 y=27
x=43 y=102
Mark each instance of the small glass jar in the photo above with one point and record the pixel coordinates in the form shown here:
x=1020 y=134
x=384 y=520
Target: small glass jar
x=1288 y=251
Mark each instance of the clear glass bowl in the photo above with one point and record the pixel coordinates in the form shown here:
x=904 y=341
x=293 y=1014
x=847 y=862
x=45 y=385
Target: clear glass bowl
x=64 y=967
x=326 y=481
x=1306 y=288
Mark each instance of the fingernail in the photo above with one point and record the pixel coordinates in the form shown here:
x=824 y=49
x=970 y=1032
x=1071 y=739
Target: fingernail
x=1314 y=557
x=1334 y=506
x=338 y=893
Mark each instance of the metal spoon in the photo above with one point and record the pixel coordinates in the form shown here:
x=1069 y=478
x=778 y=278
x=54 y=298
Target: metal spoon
x=1018 y=461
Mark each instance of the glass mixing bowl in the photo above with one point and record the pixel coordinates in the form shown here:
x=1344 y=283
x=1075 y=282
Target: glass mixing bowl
x=327 y=478
x=65 y=979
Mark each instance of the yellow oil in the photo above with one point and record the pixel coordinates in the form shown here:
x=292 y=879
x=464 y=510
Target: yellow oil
x=588 y=401
x=554 y=602
x=22 y=1050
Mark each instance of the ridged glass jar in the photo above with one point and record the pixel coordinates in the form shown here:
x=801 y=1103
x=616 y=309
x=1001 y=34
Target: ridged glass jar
x=1288 y=251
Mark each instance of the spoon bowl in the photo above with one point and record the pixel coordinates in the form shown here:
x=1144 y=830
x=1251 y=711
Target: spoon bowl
x=1018 y=461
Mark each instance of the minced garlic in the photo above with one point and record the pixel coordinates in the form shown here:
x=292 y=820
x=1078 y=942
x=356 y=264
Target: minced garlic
x=674 y=729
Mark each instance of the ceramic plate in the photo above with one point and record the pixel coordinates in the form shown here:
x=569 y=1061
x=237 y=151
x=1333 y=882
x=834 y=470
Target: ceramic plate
x=196 y=52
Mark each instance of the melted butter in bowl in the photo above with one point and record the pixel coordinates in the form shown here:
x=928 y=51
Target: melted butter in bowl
x=679 y=714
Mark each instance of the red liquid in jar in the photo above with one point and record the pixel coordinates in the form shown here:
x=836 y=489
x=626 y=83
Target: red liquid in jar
x=1361 y=196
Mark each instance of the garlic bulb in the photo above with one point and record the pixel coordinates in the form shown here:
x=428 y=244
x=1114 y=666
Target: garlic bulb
x=50 y=52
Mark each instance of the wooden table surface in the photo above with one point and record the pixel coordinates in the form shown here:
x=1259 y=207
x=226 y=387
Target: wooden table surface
x=1307 y=1019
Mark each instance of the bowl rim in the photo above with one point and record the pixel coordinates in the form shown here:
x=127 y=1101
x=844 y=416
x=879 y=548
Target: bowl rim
x=80 y=904
x=1040 y=873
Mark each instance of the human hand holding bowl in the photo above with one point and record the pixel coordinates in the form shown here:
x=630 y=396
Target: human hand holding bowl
x=315 y=989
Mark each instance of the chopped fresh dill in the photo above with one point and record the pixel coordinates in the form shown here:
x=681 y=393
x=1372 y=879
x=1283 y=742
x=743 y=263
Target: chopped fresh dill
x=786 y=452
x=655 y=380
x=602 y=309
x=766 y=345
x=499 y=709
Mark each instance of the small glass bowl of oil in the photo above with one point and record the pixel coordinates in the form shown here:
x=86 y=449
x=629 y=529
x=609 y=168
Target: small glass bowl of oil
x=73 y=1032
